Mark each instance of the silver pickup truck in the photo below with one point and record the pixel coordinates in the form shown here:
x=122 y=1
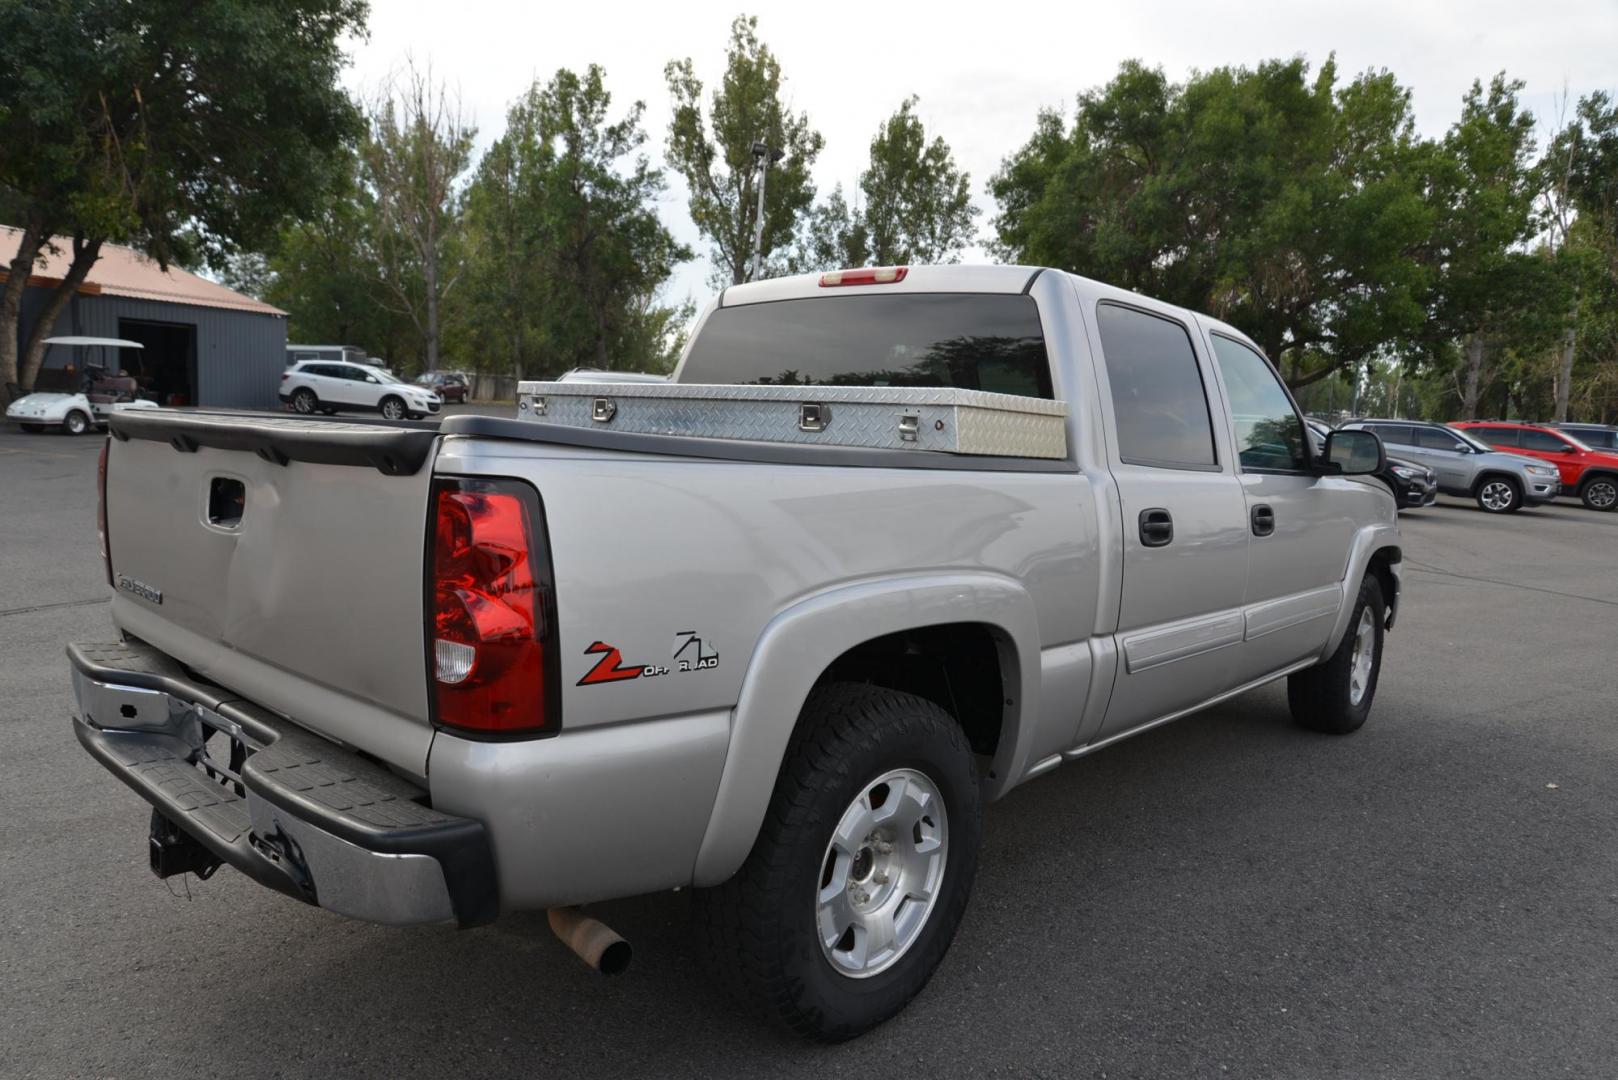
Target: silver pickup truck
x=415 y=674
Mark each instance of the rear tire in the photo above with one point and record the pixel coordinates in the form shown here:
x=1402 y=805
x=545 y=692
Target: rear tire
x=1334 y=697
x=76 y=423
x=1600 y=493
x=798 y=933
x=1499 y=495
x=304 y=401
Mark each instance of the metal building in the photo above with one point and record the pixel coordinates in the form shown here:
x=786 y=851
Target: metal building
x=205 y=344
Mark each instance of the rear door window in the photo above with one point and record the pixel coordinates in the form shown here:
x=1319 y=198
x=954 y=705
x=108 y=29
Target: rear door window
x=1158 y=398
x=1543 y=441
x=1397 y=434
x=1496 y=436
x=1433 y=439
x=973 y=341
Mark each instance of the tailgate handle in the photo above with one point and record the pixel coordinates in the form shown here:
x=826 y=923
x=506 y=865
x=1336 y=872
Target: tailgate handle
x=227 y=499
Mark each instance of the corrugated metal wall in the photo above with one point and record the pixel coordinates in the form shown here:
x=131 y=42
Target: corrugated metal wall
x=240 y=354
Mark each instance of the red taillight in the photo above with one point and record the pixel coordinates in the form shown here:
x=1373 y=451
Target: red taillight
x=871 y=275
x=101 y=509
x=285 y=375
x=491 y=646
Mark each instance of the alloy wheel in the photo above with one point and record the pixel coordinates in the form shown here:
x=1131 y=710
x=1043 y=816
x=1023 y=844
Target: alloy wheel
x=1496 y=495
x=882 y=873
x=1359 y=668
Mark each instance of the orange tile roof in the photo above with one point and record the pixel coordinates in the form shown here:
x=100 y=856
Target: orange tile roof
x=123 y=271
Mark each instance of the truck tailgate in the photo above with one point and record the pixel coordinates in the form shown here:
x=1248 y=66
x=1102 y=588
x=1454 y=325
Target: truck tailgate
x=310 y=603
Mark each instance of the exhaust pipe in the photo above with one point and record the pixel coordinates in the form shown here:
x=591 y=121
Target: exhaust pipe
x=591 y=940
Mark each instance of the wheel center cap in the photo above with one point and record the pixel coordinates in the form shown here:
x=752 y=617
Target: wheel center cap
x=864 y=862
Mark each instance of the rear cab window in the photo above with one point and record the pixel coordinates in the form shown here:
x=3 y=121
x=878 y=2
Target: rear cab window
x=972 y=341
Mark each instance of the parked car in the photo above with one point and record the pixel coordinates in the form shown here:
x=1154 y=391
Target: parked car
x=1595 y=436
x=99 y=395
x=1412 y=484
x=786 y=672
x=311 y=386
x=1589 y=473
x=448 y=385
x=1500 y=483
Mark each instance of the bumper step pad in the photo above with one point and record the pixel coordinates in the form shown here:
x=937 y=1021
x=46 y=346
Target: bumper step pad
x=302 y=815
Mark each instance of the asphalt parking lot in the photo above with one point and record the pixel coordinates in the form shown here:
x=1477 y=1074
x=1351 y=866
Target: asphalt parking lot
x=1227 y=896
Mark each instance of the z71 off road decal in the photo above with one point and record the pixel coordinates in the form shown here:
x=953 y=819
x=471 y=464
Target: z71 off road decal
x=690 y=653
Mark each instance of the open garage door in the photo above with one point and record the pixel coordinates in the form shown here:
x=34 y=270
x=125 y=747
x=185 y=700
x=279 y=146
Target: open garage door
x=166 y=370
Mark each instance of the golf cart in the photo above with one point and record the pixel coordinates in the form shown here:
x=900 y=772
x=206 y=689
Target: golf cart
x=98 y=396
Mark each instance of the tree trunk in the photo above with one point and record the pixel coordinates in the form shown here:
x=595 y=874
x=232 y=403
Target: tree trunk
x=1474 y=376
x=429 y=273
x=1564 y=372
x=85 y=254
x=32 y=239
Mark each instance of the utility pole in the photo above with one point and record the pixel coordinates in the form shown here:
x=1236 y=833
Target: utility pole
x=766 y=155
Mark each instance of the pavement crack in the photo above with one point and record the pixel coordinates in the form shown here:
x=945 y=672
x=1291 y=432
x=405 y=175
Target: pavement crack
x=1421 y=567
x=47 y=607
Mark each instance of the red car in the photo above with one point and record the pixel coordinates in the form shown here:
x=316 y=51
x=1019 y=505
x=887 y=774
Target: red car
x=1589 y=473
x=450 y=385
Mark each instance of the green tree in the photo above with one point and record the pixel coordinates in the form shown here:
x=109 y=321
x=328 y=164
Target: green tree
x=190 y=129
x=1288 y=205
x=416 y=151
x=917 y=205
x=322 y=270
x=1488 y=290
x=715 y=155
x=565 y=239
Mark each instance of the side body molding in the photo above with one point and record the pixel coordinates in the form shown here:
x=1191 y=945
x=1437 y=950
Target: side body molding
x=1367 y=542
x=799 y=643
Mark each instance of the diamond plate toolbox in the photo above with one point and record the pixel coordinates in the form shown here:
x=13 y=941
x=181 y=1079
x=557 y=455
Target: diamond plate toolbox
x=876 y=417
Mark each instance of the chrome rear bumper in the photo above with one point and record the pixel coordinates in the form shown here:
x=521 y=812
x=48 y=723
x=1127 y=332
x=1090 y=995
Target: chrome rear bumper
x=294 y=812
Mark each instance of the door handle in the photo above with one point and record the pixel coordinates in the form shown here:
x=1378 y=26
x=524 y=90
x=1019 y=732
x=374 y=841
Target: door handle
x=1156 y=527
x=1263 y=520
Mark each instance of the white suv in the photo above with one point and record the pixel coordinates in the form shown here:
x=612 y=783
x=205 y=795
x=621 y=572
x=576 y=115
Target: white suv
x=312 y=386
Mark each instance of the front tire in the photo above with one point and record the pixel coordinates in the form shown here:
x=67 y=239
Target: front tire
x=1335 y=696
x=1498 y=495
x=1600 y=493
x=861 y=871
x=76 y=423
x=393 y=409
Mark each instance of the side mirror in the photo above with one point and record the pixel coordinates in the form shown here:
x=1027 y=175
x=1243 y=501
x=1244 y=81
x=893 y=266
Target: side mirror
x=1354 y=453
x=372 y=379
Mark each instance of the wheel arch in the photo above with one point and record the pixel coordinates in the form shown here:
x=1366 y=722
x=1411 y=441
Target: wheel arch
x=1376 y=550
x=1497 y=474
x=1597 y=473
x=851 y=630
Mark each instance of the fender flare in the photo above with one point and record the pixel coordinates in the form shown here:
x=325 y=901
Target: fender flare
x=1367 y=542
x=801 y=641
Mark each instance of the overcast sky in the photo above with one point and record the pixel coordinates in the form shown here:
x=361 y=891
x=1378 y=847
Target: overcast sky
x=982 y=71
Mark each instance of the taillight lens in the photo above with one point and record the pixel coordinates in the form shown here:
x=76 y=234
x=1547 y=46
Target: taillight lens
x=101 y=509
x=491 y=639
x=870 y=275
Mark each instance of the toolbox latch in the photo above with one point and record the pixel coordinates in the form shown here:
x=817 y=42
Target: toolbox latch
x=909 y=425
x=604 y=410
x=812 y=416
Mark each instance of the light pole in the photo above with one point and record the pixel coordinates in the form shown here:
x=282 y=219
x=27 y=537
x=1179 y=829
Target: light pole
x=766 y=155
